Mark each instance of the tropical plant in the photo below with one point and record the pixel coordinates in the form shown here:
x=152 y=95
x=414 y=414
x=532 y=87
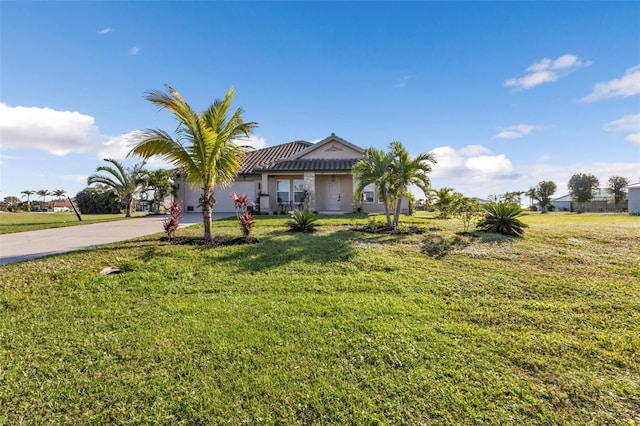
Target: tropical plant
x=124 y=181
x=59 y=193
x=407 y=171
x=44 y=193
x=302 y=221
x=583 y=187
x=28 y=193
x=171 y=224
x=374 y=169
x=159 y=183
x=542 y=193
x=467 y=209
x=245 y=219
x=98 y=200
x=11 y=203
x=204 y=149
x=617 y=185
x=444 y=198
x=392 y=173
x=502 y=218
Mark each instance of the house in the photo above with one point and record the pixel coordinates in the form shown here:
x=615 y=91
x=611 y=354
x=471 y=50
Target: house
x=57 y=206
x=633 y=198
x=603 y=201
x=294 y=175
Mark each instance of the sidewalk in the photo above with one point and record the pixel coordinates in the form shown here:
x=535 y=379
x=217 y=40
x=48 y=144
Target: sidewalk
x=30 y=245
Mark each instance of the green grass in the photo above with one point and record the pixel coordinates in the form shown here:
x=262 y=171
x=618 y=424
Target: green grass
x=335 y=327
x=21 y=222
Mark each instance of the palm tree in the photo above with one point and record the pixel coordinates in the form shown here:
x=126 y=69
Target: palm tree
x=59 y=193
x=444 y=199
x=44 y=193
x=374 y=169
x=407 y=171
x=204 y=148
x=28 y=194
x=123 y=181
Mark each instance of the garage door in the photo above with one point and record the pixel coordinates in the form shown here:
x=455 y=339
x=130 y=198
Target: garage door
x=224 y=202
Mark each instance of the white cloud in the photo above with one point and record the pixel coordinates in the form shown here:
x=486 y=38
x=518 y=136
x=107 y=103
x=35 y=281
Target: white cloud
x=487 y=165
x=75 y=178
x=253 y=141
x=469 y=163
x=627 y=123
x=56 y=132
x=547 y=70
x=104 y=31
x=627 y=85
x=515 y=132
x=134 y=51
x=634 y=138
x=402 y=82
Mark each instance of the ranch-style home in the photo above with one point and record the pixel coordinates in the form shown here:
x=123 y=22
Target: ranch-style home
x=294 y=175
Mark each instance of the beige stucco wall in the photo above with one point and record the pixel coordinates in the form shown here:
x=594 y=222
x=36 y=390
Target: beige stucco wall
x=333 y=149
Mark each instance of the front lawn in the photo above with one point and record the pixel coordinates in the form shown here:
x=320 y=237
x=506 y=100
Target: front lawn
x=335 y=327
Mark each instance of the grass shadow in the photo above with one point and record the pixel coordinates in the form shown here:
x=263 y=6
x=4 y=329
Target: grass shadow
x=281 y=248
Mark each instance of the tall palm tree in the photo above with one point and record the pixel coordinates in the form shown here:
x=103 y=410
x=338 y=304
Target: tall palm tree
x=407 y=171
x=124 y=181
x=44 y=193
x=59 y=193
x=204 y=147
x=28 y=193
x=374 y=169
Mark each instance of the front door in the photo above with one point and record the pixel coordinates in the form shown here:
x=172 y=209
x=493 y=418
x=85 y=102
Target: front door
x=334 y=195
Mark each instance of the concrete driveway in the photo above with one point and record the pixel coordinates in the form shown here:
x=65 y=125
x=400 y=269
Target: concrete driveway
x=33 y=244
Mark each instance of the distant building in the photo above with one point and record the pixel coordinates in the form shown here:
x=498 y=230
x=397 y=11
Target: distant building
x=602 y=202
x=633 y=198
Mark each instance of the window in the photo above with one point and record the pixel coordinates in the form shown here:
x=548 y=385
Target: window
x=282 y=189
x=298 y=191
x=368 y=193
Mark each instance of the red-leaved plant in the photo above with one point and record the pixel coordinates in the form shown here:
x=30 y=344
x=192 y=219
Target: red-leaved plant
x=246 y=219
x=171 y=225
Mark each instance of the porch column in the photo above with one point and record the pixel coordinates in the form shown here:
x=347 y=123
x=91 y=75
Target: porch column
x=264 y=194
x=310 y=185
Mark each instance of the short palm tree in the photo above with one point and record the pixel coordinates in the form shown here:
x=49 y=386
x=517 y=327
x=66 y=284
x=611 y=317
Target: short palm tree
x=28 y=193
x=374 y=169
x=444 y=198
x=124 y=181
x=44 y=193
x=204 y=149
x=502 y=218
x=407 y=171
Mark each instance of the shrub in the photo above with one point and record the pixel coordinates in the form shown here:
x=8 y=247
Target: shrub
x=302 y=221
x=247 y=222
x=171 y=225
x=245 y=219
x=502 y=218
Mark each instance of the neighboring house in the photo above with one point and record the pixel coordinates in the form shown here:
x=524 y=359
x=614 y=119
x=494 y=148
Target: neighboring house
x=602 y=202
x=57 y=206
x=277 y=178
x=633 y=198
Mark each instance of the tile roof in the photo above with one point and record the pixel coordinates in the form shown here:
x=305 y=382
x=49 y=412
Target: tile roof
x=265 y=157
x=311 y=164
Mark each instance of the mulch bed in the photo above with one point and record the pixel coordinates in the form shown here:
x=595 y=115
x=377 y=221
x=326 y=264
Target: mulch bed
x=217 y=241
x=410 y=230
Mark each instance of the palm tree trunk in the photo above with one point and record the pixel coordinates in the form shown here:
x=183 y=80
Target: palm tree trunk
x=207 y=212
x=127 y=207
x=396 y=216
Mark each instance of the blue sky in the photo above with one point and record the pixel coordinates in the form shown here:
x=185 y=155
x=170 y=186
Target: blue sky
x=505 y=94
